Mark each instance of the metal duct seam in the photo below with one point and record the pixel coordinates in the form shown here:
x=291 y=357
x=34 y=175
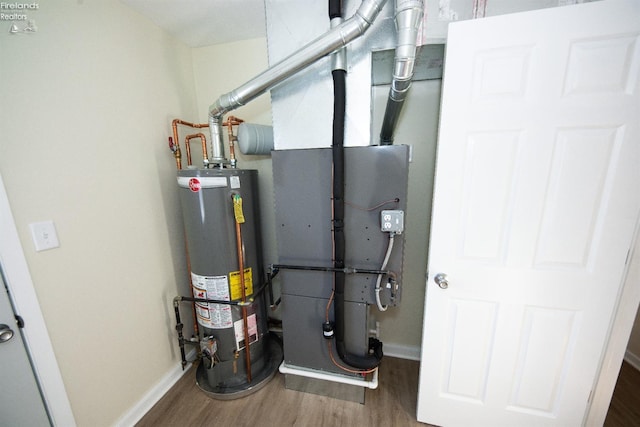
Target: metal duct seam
x=407 y=17
x=333 y=40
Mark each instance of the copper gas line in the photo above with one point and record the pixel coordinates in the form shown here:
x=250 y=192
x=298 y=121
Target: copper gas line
x=230 y=123
x=243 y=308
x=174 y=126
x=205 y=158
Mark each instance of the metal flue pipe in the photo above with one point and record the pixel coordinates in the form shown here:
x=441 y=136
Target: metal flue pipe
x=331 y=41
x=408 y=16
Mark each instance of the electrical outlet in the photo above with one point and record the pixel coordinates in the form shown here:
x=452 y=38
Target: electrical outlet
x=392 y=221
x=44 y=235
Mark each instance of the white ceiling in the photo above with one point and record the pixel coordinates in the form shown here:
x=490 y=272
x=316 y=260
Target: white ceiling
x=200 y=23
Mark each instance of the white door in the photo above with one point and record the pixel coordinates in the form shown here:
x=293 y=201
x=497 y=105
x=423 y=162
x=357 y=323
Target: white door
x=537 y=194
x=20 y=401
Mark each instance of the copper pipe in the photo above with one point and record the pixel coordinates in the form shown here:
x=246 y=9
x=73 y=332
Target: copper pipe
x=203 y=139
x=175 y=149
x=188 y=147
x=245 y=323
x=174 y=126
x=230 y=122
x=232 y=149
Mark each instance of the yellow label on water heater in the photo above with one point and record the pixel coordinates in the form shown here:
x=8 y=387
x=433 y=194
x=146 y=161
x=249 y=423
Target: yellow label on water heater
x=234 y=284
x=237 y=209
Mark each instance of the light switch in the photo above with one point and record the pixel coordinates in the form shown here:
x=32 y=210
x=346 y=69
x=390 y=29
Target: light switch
x=44 y=235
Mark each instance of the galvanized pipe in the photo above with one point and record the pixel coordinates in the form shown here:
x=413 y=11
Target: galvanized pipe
x=408 y=17
x=333 y=40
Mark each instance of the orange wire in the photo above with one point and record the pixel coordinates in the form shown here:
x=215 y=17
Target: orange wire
x=326 y=314
x=344 y=368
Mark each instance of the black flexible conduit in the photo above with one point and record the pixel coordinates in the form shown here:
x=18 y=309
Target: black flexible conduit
x=368 y=361
x=335 y=9
x=345 y=270
x=390 y=121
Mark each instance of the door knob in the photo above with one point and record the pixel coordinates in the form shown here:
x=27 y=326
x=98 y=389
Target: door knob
x=6 y=333
x=441 y=280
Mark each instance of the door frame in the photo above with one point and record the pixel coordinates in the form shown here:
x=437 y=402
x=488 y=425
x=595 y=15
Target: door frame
x=25 y=301
x=620 y=331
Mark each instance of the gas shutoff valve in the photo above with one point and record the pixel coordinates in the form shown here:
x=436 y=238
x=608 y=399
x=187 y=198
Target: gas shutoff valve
x=392 y=221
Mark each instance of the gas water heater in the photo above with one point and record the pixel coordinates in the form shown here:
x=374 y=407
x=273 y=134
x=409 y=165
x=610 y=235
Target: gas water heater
x=222 y=229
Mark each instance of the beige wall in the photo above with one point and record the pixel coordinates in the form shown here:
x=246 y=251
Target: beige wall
x=86 y=104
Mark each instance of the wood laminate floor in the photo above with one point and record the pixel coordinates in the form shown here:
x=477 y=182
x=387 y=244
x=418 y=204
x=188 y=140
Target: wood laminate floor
x=624 y=410
x=393 y=403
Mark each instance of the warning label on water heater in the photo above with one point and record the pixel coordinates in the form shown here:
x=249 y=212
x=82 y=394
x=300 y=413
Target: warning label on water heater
x=214 y=316
x=236 y=288
x=252 y=331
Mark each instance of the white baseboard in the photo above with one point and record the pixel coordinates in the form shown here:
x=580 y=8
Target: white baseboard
x=401 y=351
x=137 y=411
x=632 y=359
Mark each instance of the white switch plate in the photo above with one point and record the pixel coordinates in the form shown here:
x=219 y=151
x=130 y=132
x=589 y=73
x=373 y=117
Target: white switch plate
x=44 y=235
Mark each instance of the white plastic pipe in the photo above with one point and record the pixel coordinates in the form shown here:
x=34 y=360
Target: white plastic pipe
x=319 y=375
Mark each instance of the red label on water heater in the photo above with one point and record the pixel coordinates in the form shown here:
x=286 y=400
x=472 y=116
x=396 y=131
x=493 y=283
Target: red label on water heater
x=194 y=184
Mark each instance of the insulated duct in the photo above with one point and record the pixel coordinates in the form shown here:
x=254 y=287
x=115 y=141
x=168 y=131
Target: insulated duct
x=408 y=16
x=333 y=40
x=339 y=75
